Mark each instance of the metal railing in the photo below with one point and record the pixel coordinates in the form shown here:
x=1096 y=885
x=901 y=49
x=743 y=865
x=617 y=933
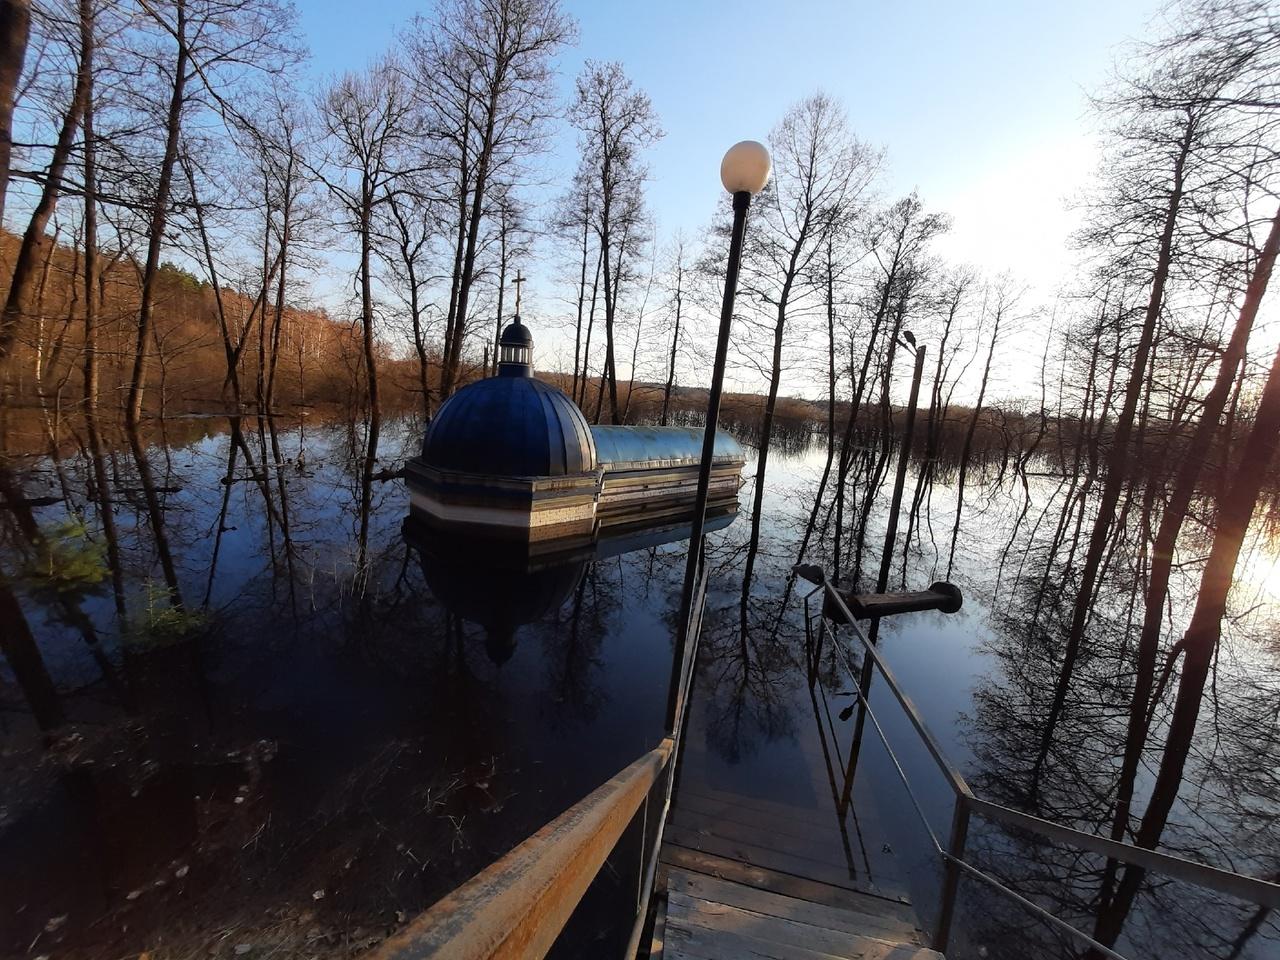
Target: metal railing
x=967 y=804
x=518 y=905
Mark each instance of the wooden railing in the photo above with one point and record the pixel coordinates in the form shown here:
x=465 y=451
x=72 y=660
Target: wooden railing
x=517 y=906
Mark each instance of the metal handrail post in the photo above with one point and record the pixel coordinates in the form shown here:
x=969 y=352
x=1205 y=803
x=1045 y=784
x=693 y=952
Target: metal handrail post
x=951 y=872
x=650 y=853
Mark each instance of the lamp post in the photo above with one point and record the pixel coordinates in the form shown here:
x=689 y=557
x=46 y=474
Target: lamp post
x=744 y=171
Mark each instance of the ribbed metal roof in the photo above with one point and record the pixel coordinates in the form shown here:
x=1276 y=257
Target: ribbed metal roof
x=510 y=427
x=624 y=447
x=516 y=335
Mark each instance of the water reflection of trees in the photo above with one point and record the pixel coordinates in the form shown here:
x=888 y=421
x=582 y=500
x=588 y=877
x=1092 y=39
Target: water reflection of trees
x=747 y=665
x=1227 y=791
x=286 y=549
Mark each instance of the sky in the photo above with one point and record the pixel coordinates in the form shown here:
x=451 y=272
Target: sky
x=981 y=106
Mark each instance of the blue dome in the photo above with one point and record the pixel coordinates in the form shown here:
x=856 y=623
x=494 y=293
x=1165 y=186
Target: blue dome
x=510 y=427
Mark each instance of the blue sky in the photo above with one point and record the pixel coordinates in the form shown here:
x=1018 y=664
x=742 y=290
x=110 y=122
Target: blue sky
x=982 y=106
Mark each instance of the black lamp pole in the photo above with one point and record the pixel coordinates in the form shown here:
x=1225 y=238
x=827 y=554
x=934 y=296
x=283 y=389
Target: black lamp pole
x=741 y=201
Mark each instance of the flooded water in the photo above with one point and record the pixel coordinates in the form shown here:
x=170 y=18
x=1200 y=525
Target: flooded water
x=313 y=721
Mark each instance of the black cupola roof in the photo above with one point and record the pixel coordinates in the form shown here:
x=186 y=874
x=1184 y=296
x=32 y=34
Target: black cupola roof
x=515 y=357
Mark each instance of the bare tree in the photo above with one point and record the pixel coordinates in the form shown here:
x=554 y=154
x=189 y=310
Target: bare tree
x=371 y=119
x=413 y=223
x=25 y=268
x=484 y=71
x=820 y=172
x=679 y=256
x=615 y=122
x=1150 y=217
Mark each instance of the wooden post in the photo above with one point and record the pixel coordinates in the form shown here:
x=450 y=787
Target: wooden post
x=899 y=481
x=951 y=872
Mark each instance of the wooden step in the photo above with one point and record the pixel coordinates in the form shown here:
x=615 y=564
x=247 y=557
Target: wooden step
x=882 y=926
x=714 y=931
x=786 y=884
x=800 y=865
x=693 y=784
x=819 y=844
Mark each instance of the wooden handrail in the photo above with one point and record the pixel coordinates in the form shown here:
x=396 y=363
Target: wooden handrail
x=517 y=906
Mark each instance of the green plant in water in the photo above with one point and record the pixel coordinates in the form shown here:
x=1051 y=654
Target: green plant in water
x=160 y=623
x=67 y=561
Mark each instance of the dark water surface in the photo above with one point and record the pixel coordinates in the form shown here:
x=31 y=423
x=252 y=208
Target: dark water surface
x=338 y=726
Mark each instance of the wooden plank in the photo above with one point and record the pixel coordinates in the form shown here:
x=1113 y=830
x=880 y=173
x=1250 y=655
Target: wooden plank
x=821 y=846
x=692 y=942
x=800 y=866
x=796 y=821
x=878 y=866
x=790 y=908
x=721 y=919
x=801 y=888
x=659 y=929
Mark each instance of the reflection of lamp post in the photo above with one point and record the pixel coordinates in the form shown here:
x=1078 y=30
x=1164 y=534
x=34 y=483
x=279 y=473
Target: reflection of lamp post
x=744 y=172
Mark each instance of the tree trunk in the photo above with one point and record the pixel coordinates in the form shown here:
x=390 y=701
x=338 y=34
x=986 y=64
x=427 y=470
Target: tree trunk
x=1118 y=461
x=25 y=266
x=467 y=277
x=675 y=344
x=156 y=228
x=1201 y=639
x=609 y=305
x=15 y=26
x=591 y=322
x=1191 y=463
x=582 y=297
x=967 y=449
x=106 y=511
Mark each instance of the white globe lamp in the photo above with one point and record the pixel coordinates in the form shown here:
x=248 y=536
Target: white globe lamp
x=745 y=167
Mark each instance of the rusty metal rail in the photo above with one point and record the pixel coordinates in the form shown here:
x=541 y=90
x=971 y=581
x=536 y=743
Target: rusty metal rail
x=835 y=611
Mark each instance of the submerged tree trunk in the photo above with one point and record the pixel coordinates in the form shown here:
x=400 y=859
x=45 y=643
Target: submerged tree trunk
x=1201 y=639
x=106 y=510
x=1118 y=460
x=1191 y=464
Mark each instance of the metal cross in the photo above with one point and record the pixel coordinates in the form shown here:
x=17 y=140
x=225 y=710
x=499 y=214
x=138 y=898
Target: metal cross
x=517 y=281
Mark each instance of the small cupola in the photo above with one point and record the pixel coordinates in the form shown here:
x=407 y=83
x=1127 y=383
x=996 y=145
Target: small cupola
x=515 y=357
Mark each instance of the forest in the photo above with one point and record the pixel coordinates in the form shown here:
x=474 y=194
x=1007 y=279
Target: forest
x=191 y=228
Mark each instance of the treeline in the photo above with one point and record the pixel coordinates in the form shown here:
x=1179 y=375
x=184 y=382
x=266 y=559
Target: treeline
x=311 y=360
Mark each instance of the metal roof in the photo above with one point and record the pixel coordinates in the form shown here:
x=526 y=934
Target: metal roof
x=510 y=427
x=627 y=447
x=517 y=334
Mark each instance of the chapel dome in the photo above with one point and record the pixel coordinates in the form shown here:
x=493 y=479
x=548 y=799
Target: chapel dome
x=510 y=426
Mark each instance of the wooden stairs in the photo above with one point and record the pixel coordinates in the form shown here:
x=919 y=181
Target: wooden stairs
x=741 y=878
